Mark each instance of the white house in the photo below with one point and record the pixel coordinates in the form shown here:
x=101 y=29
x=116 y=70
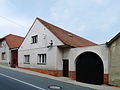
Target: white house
x=9 y=50
x=52 y=50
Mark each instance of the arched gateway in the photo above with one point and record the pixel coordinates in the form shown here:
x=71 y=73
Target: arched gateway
x=89 y=68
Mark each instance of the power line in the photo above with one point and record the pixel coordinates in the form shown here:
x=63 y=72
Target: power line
x=9 y=20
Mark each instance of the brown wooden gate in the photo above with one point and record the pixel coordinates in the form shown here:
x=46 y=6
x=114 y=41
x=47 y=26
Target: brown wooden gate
x=14 y=58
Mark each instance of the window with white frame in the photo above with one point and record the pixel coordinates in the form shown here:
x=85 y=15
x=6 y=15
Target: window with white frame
x=27 y=59
x=41 y=58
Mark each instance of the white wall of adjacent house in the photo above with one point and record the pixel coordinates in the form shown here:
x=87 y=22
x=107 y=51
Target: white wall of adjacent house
x=5 y=54
x=72 y=54
x=33 y=49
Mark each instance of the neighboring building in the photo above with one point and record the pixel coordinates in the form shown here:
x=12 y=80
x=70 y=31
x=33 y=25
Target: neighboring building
x=9 y=50
x=52 y=50
x=114 y=60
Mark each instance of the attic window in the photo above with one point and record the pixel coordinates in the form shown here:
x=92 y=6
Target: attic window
x=35 y=39
x=70 y=35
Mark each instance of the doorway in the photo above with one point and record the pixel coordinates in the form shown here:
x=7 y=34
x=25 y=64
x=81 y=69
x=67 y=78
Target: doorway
x=65 y=67
x=14 y=58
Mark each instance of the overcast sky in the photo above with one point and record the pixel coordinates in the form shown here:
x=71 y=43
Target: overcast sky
x=95 y=20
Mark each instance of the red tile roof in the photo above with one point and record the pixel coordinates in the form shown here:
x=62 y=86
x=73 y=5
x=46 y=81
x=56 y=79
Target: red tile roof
x=66 y=37
x=13 y=41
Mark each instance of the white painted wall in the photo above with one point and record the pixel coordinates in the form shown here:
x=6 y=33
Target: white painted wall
x=59 y=59
x=5 y=49
x=73 y=53
x=44 y=38
x=50 y=61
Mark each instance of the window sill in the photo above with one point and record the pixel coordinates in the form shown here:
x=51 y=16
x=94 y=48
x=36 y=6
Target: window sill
x=26 y=63
x=33 y=43
x=41 y=63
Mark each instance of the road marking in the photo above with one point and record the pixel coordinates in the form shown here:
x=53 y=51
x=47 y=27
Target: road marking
x=22 y=82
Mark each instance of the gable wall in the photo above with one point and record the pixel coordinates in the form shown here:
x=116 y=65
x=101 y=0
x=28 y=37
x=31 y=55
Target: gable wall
x=44 y=37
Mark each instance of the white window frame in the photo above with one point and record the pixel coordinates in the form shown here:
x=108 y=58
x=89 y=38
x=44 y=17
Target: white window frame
x=41 y=59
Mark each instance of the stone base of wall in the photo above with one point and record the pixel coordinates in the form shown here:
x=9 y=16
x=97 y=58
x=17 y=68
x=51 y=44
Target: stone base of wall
x=115 y=82
x=49 y=72
x=4 y=63
x=116 y=85
x=72 y=74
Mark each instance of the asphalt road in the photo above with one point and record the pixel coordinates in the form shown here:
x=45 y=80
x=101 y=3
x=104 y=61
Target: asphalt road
x=13 y=80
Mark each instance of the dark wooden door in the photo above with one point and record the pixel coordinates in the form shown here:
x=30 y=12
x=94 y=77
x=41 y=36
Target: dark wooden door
x=65 y=68
x=14 y=58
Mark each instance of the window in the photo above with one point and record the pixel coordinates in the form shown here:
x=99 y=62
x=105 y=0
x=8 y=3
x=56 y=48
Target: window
x=41 y=58
x=27 y=59
x=35 y=39
x=3 y=56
